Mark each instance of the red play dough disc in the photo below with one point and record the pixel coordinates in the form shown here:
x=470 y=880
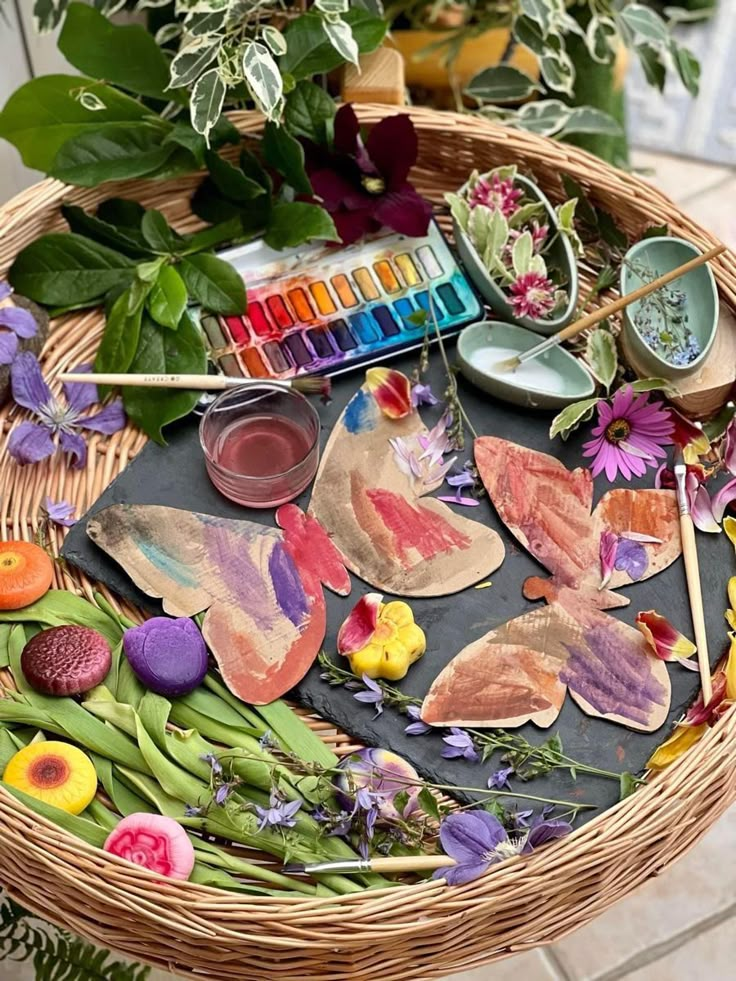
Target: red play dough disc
x=66 y=660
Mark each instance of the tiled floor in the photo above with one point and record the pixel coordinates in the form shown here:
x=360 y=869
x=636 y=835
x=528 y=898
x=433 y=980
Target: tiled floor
x=683 y=923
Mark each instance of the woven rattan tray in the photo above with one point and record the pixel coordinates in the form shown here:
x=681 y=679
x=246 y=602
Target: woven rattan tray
x=415 y=931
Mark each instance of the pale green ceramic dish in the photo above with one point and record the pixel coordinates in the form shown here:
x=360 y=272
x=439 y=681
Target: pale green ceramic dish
x=662 y=254
x=561 y=254
x=552 y=381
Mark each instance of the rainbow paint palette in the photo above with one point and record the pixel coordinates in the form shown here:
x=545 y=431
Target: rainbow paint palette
x=324 y=310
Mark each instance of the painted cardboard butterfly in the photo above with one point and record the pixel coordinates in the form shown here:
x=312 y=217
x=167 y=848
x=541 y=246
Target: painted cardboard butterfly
x=521 y=670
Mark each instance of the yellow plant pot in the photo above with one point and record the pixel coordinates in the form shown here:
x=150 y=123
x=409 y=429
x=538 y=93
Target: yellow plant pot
x=429 y=71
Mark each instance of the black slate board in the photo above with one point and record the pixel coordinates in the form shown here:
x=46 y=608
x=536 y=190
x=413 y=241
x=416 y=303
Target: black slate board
x=175 y=476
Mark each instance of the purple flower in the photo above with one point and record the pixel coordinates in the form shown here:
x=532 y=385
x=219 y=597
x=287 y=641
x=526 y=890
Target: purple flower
x=521 y=818
x=192 y=812
x=267 y=741
x=342 y=825
x=168 y=654
x=31 y=442
x=222 y=793
x=631 y=557
x=373 y=695
x=477 y=840
x=458 y=481
x=459 y=743
x=500 y=778
x=60 y=512
x=18 y=323
x=422 y=395
x=213 y=762
x=280 y=814
x=416 y=727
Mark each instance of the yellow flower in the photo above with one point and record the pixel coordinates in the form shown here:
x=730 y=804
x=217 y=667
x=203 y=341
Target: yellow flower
x=55 y=773
x=380 y=639
x=679 y=742
x=731 y=612
x=730 y=669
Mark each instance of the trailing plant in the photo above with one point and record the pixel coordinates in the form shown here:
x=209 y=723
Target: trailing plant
x=56 y=954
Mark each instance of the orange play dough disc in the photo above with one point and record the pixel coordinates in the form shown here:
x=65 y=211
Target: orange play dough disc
x=26 y=573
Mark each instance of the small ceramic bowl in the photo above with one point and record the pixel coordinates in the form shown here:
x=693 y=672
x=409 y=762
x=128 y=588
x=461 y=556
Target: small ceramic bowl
x=551 y=381
x=261 y=444
x=561 y=254
x=661 y=254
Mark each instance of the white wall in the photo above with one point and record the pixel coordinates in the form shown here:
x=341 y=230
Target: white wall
x=23 y=54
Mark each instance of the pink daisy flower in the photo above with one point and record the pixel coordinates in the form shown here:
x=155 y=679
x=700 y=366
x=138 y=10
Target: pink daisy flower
x=532 y=295
x=496 y=194
x=630 y=435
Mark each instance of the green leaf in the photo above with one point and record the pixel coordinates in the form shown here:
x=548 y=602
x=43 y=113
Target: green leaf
x=656 y=231
x=310 y=53
x=540 y=11
x=111 y=153
x=583 y=209
x=292 y=224
x=610 y=232
x=224 y=231
x=652 y=65
x=208 y=96
x=122 y=212
x=308 y=109
x=528 y=32
x=42 y=115
x=645 y=23
x=571 y=417
x=341 y=39
x=627 y=785
x=401 y=800
x=184 y=136
x=120 y=338
x=159 y=234
x=521 y=254
x=167 y=300
x=601 y=355
x=126 y=56
x=101 y=231
x=501 y=84
x=214 y=284
x=231 y=180
x=63 y=268
x=263 y=78
x=654 y=385
x=164 y=352
x=587 y=119
x=688 y=67
x=428 y=803
x=546 y=118
x=286 y=155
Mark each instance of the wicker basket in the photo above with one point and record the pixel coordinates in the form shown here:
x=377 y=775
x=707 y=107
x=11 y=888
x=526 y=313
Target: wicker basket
x=413 y=931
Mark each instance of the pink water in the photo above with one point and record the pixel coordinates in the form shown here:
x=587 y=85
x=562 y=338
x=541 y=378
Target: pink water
x=262 y=446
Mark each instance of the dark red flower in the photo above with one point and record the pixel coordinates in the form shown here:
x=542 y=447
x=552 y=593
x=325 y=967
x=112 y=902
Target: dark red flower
x=364 y=186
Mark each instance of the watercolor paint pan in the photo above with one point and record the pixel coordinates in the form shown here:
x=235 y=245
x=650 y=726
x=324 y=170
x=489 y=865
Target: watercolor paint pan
x=325 y=310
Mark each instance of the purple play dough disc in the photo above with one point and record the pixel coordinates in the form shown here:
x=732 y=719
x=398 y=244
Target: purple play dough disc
x=168 y=655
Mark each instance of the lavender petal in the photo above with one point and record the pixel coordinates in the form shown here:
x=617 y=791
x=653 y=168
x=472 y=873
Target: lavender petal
x=458 y=875
x=108 y=420
x=8 y=347
x=417 y=729
x=60 y=512
x=5 y=289
x=27 y=383
x=75 y=446
x=20 y=321
x=81 y=395
x=30 y=443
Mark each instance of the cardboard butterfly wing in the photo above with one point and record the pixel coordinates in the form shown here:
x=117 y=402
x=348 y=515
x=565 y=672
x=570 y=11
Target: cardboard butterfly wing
x=261 y=587
x=524 y=667
x=389 y=533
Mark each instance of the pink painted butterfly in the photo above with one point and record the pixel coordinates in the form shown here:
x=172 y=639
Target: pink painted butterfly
x=521 y=670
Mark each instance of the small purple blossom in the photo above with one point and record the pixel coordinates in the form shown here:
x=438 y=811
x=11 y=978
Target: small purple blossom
x=372 y=695
x=342 y=825
x=266 y=741
x=500 y=778
x=459 y=480
x=31 y=442
x=520 y=819
x=631 y=557
x=459 y=743
x=416 y=727
x=422 y=395
x=280 y=814
x=192 y=812
x=19 y=323
x=60 y=512
x=213 y=762
x=222 y=793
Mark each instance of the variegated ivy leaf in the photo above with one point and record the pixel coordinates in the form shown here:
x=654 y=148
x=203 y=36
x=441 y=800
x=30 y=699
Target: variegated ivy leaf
x=459 y=209
x=558 y=71
x=207 y=99
x=600 y=39
x=539 y=11
x=571 y=416
x=566 y=224
x=200 y=6
x=655 y=385
x=498 y=233
x=602 y=357
x=275 y=40
x=203 y=24
x=263 y=78
x=521 y=254
x=588 y=119
x=342 y=40
x=526 y=213
x=167 y=33
x=645 y=24
x=110 y=7
x=332 y=6
x=544 y=118
x=151 y=4
x=90 y=101
x=192 y=60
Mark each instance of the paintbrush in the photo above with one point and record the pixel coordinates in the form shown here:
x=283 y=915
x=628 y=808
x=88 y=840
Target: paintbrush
x=395 y=863
x=591 y=319
x=692 y=574
x=308 y=385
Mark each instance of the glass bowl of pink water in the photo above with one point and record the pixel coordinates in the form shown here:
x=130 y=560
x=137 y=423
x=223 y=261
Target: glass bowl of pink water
x=261 y=444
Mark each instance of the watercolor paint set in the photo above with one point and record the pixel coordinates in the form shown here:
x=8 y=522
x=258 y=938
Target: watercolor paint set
x=324 y=310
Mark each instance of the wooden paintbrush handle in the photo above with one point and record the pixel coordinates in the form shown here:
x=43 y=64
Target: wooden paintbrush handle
x=205 y=383
x=411 y=863
x=591 y=319
x=692 y=573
